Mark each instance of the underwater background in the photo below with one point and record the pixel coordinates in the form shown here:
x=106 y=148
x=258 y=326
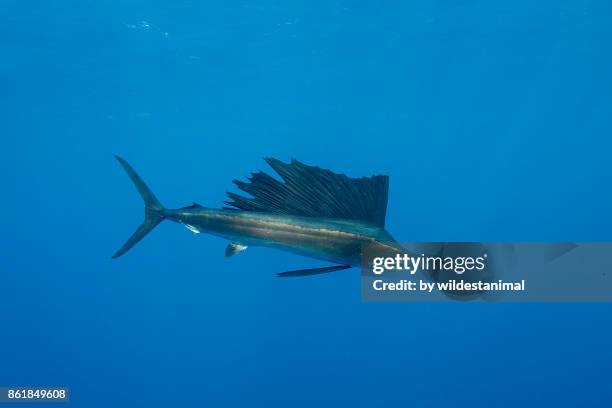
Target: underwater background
x=491 y=118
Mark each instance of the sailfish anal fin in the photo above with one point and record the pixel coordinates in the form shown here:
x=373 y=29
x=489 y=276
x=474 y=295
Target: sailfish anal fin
x=234 y=248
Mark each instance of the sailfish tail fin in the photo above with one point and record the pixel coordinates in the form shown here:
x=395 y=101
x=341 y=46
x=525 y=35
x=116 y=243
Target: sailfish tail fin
x=154 y=211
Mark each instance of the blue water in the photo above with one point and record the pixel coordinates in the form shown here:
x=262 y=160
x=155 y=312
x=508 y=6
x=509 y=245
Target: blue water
x=492 y=120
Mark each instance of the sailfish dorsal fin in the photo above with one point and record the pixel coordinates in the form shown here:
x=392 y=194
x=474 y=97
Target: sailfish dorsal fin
x=314 y=192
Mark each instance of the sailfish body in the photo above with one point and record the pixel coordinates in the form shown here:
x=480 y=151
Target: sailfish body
x=312 y=212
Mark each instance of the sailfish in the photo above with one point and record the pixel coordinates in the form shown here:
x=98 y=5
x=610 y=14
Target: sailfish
x=310 y=211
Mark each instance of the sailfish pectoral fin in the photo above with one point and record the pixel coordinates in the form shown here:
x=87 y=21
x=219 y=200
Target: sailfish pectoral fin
x=313 y=271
